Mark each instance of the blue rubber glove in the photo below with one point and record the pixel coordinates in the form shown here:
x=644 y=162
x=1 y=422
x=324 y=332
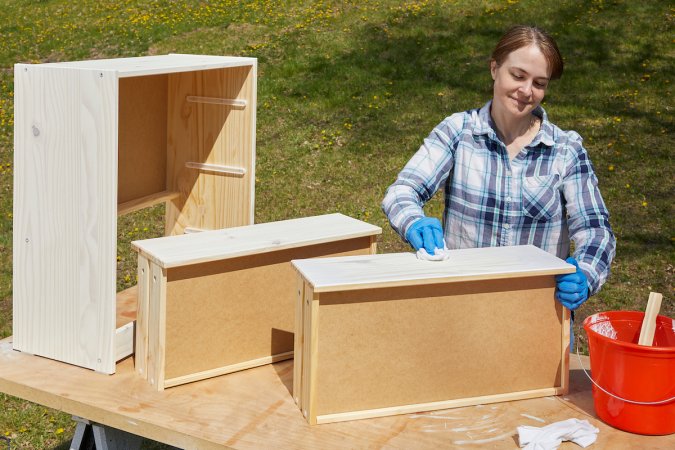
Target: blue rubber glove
x=572 y=288
x=426 y=232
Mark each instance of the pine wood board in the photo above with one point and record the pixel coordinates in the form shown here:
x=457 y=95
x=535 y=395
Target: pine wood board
x=204 y=133
x=404 y=269
x=254 y=409
x=159 y=64
x=65 y=213
x=234 y=242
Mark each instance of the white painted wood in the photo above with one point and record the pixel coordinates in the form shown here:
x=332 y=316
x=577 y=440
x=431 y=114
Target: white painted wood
x=124 y=341
x=180 y=250
x=404 y=269
x=151 y=65
x=65 y=198
x=65 y=214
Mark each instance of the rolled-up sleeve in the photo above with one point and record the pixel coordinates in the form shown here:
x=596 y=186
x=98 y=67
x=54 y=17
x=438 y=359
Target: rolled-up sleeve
x=588 y=218
x=422 y=176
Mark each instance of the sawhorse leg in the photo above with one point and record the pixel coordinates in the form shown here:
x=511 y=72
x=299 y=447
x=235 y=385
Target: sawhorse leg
x=94 y=436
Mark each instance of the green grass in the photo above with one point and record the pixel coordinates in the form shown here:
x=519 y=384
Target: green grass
x=346 y=92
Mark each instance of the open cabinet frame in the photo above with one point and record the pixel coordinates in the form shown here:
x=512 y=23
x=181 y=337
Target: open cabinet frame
x=94 y=139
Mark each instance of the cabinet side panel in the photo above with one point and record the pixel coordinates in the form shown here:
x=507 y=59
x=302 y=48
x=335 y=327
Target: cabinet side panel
x=218 y=135
x=65 y=215
x=401 y=346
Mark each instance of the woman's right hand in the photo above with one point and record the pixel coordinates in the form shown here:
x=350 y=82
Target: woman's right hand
x=426 y=232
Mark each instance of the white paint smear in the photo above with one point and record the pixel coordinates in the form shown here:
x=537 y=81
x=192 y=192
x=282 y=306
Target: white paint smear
x=429 y=416
x=483 y=441
x=533 y=418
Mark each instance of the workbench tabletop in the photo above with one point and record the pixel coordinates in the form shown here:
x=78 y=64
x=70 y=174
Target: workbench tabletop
x=206 y=246
x=404 y=269
x=254 y=409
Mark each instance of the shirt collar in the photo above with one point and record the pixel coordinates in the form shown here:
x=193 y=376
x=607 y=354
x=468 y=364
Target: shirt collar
x=484 y=125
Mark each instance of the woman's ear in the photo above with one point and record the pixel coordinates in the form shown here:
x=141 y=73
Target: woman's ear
x=493 y=68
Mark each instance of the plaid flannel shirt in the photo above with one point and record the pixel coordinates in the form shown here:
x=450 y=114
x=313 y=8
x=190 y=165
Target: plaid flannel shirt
x=546 y=196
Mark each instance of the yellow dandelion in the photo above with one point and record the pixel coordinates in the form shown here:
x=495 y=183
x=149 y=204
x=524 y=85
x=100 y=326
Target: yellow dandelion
x=644 y=204
x=611 y=168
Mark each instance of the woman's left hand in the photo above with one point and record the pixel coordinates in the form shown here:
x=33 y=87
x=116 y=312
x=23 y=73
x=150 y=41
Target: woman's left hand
x=572 y=288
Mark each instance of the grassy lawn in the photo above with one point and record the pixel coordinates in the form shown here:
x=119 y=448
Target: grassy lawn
x=347 y=90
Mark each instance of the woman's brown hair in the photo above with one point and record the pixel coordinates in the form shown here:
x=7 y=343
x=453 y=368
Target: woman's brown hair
x=523 y=35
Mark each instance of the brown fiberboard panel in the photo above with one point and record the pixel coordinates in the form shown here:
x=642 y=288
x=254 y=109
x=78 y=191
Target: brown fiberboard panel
x=241 y=308
x=409 y=345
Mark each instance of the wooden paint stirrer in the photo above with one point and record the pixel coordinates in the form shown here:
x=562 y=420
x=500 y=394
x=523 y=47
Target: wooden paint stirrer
x=649 y=322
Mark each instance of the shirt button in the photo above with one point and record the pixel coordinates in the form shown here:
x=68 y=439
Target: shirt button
x=508 y=173
x=507 y=226
x=508 y=199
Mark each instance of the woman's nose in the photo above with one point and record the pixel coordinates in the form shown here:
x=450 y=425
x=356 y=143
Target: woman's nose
x=526 y=88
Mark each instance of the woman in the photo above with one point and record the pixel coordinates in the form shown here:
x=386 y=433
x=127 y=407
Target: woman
x=509 y=175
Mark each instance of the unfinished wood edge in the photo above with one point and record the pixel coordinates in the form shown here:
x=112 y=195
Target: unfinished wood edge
x=298 y=339
x=304 y=376
x=313 y=359
x=565 y=348
x=144 y=202
x=176 y=381
x=142 y=313
x=373 y=244
x=447 y=404
x=252 y=118
x=156 y=327
x=217 y=168
x=124 y=341
x=432 y=280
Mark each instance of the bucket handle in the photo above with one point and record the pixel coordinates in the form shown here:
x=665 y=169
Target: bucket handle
x=661 y=402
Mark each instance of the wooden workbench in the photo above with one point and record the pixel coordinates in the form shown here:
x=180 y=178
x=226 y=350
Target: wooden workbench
x=254 y=409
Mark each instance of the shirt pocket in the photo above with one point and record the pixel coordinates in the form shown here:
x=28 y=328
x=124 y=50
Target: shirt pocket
x=541 y=197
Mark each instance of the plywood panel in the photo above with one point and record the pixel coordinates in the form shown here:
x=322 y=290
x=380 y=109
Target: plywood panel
x=253 y=408
x=236 y=310
x=207 y=133
x=142 y=136
x=65 y=214
x=400 y=346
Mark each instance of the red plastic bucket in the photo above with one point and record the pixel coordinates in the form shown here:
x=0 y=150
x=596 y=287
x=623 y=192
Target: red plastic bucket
x=637 y=374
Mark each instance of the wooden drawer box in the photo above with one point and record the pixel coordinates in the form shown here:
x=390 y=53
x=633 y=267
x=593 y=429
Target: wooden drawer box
x=220 y=301
x=94 y=139
x=390 y=334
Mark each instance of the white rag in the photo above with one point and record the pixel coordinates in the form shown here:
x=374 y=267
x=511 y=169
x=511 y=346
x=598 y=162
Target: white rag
x=551 y=436
x=440 y=254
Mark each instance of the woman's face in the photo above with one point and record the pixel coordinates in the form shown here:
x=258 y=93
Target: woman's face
x=520 y=81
